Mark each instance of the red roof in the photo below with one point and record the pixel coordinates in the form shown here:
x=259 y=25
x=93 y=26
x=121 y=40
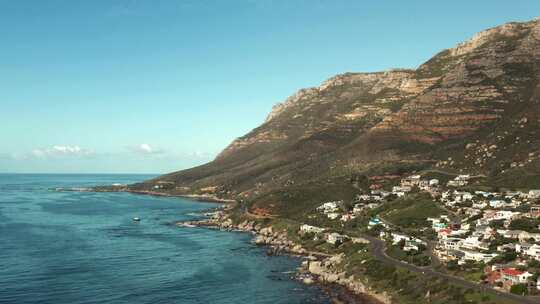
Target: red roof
x=512 y=272
x=445 y=230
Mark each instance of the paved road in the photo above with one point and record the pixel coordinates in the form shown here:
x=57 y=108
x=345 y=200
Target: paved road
x=378 y=249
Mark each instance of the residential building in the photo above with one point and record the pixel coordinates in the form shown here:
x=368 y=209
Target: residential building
x=511 y=276
x=311 y=229
x=534 y=194
x=335 y=238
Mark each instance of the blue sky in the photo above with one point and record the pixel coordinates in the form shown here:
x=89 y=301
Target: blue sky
x=136 y=86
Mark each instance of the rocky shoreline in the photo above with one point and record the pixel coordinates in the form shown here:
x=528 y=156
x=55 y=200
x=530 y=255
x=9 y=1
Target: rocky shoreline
x=317 y=268
x=210 y=198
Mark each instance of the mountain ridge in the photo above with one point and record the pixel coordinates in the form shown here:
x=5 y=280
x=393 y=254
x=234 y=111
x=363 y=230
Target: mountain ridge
x=447 y=114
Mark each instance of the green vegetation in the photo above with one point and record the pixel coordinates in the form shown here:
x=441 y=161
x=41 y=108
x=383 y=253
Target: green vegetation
x=296 y=202
x=525 y=224
x=436 y=66
x=471 y=271
x=411 y=212
x=520 y=289
x=504 y=258
x=413 y=288
x=419 y=258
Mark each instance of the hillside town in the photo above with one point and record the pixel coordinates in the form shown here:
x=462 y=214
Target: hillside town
x=489 y=237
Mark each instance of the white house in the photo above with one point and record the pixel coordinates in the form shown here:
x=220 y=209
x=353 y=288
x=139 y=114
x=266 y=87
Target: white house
x=460 y=180
x=412 y=245
x=534 y=194
x=411 y=181
x=451 y=243
x=433 y=182
x=522 y=247
x=478 y=256
x=329 y=207
x=479 y=205
x=396 y=237
x=497 y=203
x=483 y=193
x=405 y=189
x=311 y=229
x=462 y=196
x=335 y=238
x=456 y=183
x=464 y=177
x=525 y=236
x=333 y=215
x=471 y=242
x=514 y=276
x=504 y=215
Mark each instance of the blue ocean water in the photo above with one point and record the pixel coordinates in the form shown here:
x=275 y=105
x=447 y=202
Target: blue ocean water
x=82 y=247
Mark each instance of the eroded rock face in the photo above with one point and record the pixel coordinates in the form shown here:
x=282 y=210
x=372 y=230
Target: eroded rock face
x=346 y=104
x=464 y=90
x=480 y=84
x=328 y=271
x=508 y=31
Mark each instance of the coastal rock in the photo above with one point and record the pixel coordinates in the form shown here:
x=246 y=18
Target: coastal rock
x=326 y=272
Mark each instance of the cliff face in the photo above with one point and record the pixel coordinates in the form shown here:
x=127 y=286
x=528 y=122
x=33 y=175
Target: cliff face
x=479 y=81
x=447 y=114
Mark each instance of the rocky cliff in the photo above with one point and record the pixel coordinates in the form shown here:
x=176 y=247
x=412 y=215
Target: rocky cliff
x=472 y=108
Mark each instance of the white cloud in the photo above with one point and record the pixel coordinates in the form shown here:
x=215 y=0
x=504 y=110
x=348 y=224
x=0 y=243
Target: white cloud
x=199 y=155
x=61 y=151
x=146 y=149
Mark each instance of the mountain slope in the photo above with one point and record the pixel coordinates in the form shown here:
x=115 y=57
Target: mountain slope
x=473 y=108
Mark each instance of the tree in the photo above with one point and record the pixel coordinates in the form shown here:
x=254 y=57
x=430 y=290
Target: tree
x=422 y=247
x=519 y=289
x=526 y=224
x=497 y=224
x=504 y=258
x=452 y=265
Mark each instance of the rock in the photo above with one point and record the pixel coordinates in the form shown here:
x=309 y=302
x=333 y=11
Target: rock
x=260 y=240
x=297 y=248
x=267 y=231
x=316 y=267
x=227 y=223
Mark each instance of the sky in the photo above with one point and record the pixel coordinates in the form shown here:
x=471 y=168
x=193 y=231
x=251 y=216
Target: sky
x=133 y=86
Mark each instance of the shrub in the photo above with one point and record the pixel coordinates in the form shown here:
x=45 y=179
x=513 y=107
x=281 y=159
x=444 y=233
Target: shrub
x=520 y=289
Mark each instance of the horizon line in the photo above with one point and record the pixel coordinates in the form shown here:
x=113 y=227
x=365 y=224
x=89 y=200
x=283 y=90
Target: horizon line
x=80 y=173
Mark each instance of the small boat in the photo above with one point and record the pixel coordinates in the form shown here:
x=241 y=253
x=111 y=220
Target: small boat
x=136 y=219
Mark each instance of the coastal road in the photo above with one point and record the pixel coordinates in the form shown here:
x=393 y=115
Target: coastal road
x=378 y=249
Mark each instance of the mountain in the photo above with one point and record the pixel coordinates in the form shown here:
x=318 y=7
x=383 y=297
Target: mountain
x=474 y=108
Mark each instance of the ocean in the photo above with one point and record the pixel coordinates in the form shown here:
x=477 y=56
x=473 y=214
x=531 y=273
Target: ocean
x=84 y=247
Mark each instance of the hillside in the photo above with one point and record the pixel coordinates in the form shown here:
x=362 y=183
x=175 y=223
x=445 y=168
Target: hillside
x=474 y=108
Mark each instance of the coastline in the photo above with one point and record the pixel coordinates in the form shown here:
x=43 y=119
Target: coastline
x=197 y=197
x=317 y=268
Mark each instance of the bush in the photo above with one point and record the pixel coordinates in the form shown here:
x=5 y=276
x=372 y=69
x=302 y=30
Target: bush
x=452 y=265
x=519 y=289
x=526 y=224
x=379 y=270
x=412 y=212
